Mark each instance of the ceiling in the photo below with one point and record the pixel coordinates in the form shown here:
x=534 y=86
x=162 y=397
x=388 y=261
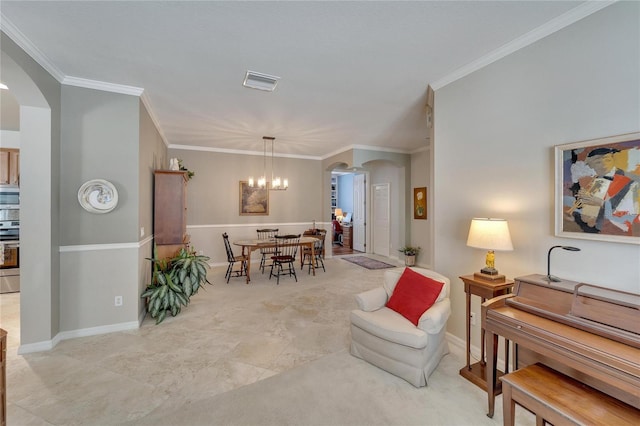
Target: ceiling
x=352 y=73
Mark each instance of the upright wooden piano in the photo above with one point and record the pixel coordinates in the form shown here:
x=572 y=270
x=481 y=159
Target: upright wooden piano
x=587 y=332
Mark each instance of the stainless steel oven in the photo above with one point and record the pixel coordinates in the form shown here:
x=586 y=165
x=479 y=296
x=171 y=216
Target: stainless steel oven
x=9 y=267
x=9 y=196
x=9 y=239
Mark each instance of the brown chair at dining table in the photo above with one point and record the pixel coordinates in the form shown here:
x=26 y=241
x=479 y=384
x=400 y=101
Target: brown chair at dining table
x=286 y=250
x=233 y=259
x=316 y=258
x=267 y=252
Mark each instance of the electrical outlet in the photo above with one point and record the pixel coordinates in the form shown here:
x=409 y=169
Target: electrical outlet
x=118 y=301
x=473 y=318
x=142 y=231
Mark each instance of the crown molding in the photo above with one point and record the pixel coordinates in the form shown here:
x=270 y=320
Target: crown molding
x=102 y=85
x=25 y=44
x=147 y=104
x=554 y=25
x=365 y=148
x=239 y=152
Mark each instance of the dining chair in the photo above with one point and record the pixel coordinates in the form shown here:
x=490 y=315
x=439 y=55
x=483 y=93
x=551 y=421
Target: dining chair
x=265 y=234
x=286 y=250
x=233 y=259
x=318 y=251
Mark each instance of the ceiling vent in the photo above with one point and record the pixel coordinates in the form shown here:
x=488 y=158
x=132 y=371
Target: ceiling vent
x=257 y=80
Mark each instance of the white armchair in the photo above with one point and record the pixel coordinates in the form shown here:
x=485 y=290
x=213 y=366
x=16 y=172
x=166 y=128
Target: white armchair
x=388 y=340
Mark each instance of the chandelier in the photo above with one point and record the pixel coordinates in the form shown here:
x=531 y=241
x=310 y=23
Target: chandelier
x=276 y=183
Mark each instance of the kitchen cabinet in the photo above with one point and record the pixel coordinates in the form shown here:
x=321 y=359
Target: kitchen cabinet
x=9 y=166
x=170 y=212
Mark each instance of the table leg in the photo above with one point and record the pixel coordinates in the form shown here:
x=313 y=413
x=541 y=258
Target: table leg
x=506 y=356
x=491 y=343
x=482 y=345
x=248 y=264
x=313 y=258
x=469 y=331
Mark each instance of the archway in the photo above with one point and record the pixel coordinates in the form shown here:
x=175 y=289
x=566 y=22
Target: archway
x=39 y=259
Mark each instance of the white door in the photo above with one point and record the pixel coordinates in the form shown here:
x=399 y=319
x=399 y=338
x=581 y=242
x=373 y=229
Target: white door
x=381 y=224
x=359 y=212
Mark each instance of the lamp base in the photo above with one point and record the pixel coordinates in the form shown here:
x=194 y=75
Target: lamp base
x=489 y=271
x=489 y=277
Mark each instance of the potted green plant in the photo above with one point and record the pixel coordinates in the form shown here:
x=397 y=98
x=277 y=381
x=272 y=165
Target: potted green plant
x=410 y=254
x=173 y=282
x=190 y=174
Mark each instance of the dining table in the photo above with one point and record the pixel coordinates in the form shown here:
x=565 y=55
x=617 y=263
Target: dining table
x=249 y=246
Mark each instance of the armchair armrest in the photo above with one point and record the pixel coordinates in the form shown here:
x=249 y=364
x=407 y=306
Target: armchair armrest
x=372 y=300
x=435 y=318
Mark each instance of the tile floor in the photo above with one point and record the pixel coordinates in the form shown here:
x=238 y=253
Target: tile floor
x=230 y=335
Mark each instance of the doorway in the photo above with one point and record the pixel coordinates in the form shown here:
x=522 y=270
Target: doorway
x=348 y=202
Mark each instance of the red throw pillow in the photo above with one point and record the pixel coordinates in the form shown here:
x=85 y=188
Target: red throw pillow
x=413 y=295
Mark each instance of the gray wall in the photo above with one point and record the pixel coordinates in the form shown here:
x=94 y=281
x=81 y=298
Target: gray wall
x=100 y=141
x=494 y=136
x=100 y=252
x=213 y=197
x=420 y=229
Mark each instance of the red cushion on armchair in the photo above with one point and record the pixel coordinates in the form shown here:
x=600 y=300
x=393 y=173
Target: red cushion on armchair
x=413 y=295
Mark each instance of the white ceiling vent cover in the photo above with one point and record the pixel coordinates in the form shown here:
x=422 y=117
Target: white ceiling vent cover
x=260 y=81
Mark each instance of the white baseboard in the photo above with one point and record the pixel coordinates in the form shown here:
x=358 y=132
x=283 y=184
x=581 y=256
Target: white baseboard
x=459 y=348
x=47 y=345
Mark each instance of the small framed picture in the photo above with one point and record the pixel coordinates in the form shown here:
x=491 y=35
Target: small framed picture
x=420 y=203
x=597 y=189
x=254 y=201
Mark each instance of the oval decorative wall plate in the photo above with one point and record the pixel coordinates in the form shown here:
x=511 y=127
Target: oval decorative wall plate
x=98 y=196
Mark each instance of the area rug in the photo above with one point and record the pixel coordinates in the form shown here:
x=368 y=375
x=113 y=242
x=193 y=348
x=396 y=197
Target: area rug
x=367 y=262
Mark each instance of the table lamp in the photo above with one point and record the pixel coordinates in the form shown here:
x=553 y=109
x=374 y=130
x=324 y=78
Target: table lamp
x=339 y=214
x=490 y=234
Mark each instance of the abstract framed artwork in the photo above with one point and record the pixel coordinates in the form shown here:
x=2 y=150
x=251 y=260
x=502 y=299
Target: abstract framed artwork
x=253 y=201
x=597 y=189
x=420 y=203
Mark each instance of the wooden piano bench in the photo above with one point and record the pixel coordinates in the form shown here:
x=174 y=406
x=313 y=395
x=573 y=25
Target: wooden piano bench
x=560 y=400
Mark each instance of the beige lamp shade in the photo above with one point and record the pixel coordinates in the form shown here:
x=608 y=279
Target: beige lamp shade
x=338 y=212
x=490 y=234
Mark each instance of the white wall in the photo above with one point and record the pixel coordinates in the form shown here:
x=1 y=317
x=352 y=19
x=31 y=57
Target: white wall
x=493 y=153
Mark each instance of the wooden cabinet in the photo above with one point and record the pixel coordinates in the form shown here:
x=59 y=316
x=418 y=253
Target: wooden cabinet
x=170 y=212
x=347 y=236
x=9 y=166
x=3 y=377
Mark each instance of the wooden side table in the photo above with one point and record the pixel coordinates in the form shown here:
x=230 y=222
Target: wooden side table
x=485 y=289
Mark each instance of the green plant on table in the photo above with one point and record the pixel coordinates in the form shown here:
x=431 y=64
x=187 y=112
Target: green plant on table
x=409 y=250
x=173 y=282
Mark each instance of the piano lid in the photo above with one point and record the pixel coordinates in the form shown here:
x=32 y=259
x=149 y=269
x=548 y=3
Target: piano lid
x=614 y=314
